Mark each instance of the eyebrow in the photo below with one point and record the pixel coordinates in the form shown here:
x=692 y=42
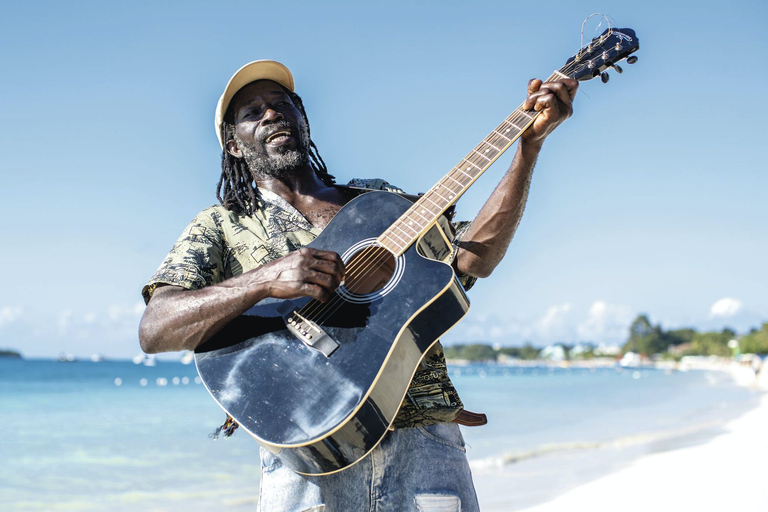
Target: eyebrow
x=270 y=93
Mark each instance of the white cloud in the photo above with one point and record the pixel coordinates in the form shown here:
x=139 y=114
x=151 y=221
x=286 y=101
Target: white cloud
x=725 y=308
x=605 y=323
x=556 y=324
x=8 y=315
x=601 y=323
x=109 y=330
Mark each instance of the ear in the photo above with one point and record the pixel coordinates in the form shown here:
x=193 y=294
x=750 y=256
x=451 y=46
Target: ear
x=233 y=149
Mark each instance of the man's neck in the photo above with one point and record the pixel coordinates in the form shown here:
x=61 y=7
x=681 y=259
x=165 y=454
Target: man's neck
x=297 y=186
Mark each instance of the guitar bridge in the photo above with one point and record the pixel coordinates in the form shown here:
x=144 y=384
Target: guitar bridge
x=311 y=334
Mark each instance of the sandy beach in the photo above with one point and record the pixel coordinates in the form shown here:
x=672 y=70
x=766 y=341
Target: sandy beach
x=710 y=471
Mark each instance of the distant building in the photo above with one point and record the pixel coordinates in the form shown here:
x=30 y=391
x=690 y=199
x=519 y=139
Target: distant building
x=678 y=350
x=580 y=349
x=631 y=359
x=553 y=353
x=603 y=350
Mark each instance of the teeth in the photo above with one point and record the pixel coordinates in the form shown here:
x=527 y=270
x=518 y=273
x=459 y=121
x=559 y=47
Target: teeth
x=277 y=135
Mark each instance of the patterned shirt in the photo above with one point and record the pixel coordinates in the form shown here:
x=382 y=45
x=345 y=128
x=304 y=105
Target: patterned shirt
x=219 y=244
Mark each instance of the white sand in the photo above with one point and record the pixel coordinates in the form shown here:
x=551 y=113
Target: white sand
x=727 y=473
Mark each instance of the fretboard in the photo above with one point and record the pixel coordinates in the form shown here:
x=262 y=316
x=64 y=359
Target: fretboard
x=424 y=213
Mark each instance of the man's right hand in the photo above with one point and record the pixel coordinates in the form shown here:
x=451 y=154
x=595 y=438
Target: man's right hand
x=304 y=273
x=179 y=319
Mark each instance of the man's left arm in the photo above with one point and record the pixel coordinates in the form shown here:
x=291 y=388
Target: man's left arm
x=486 y=241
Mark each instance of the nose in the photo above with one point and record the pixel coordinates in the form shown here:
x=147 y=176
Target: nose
x=271 y=115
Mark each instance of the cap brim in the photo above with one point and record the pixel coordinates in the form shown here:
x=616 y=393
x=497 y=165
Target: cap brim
x=256 y=70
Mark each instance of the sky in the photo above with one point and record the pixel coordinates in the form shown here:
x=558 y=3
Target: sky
x=650 y=199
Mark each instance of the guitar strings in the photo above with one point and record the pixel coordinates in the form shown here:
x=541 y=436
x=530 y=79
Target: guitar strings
x=352 y=274
x=376 y=260
x=356 y=271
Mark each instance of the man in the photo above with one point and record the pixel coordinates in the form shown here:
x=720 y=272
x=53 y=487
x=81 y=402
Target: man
x=276 y=197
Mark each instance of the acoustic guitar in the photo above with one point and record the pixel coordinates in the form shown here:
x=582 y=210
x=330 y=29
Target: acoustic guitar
x=318 y=384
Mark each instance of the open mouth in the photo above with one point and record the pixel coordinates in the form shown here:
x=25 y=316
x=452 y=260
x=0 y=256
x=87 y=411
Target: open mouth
x=278 y=137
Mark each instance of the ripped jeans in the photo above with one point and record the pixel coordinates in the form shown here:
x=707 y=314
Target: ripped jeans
x=421 y=469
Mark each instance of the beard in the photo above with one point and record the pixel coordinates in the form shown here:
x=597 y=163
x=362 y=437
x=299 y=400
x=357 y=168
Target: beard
x=286 y=162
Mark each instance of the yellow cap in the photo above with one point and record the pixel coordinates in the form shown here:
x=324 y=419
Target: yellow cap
x=256 y=70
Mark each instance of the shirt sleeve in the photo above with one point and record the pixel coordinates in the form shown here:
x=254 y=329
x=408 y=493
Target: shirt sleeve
x=459 y=230
x=196 y=259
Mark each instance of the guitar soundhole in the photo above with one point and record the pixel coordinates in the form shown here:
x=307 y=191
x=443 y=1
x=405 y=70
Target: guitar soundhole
x=369 y=270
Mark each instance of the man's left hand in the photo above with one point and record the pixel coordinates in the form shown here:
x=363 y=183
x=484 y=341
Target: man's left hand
x=555 y=102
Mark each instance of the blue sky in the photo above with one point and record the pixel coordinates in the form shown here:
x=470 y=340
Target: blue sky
x=650 y=199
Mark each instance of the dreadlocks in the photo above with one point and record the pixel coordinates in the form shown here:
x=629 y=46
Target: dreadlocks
x=237 y=189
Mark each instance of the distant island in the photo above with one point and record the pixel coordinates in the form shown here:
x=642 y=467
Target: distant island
x=9 y=354
x=645 y=339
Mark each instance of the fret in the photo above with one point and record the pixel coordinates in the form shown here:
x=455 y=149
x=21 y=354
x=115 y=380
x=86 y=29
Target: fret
x=513 y=125
x=450 y=189
x=454 y=179
x=502 y=136
x=383 y=244
x=397 y=245
x=467 y=175
x=438 y=194
x=409 y=226
x=420 y=215
x=395 y=226
x=498 y=143
x=482 y=155
x=415 y=231
x=425 y=208
x=488 y=142
x=431 y=201
x=563 y=75
x=473 y=165
x=524 y=113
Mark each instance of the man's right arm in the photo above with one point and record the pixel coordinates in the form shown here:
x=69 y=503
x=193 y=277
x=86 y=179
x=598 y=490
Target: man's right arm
x=181 y=319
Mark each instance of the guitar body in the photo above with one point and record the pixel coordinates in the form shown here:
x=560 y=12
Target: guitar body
x=321 y=413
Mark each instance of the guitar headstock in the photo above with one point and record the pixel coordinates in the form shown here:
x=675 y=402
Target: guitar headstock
x=603 y=52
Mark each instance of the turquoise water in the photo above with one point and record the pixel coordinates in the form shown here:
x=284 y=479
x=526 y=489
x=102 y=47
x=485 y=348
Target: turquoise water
x=71 y=439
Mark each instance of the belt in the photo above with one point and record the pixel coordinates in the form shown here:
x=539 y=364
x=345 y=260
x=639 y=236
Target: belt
x=471 y=419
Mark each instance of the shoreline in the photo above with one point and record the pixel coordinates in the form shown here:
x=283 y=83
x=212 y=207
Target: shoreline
x=701 y=469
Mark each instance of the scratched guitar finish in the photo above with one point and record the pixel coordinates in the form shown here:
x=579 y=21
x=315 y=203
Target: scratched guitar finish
x=320 y=384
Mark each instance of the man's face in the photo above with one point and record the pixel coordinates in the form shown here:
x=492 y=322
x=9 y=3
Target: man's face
x=270 y=132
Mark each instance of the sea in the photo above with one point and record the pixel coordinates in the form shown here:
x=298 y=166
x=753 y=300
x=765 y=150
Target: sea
x=119 y=436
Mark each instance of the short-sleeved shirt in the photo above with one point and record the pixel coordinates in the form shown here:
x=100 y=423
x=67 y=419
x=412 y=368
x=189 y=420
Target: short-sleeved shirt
x=219 y=244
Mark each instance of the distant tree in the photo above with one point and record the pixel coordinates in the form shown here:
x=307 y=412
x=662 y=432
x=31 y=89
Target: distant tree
x=711 y=343
x=478 y=352
x=527 y=352
x=680 y=336
x=756 y=342
x=645 y=338
x=471 y=352
x=453 y=351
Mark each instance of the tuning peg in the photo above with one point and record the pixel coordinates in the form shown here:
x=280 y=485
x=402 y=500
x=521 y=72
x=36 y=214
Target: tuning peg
x=631 y=60
x=618 y=68
x=604 y=77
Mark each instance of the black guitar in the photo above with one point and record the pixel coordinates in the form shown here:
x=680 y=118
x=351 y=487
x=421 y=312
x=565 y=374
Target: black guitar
x=319 y=384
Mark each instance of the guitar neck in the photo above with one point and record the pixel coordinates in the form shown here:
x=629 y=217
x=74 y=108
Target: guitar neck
x=424 y=213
